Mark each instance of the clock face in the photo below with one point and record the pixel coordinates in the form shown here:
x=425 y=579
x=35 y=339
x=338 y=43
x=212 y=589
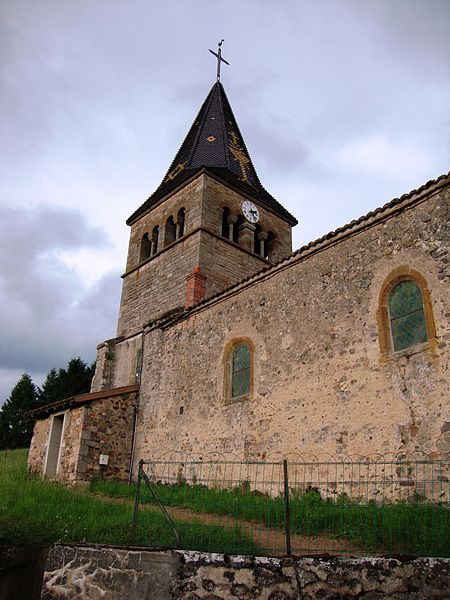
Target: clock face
x=250 y=211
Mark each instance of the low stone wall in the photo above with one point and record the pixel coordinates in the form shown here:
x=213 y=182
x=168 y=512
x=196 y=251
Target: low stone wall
x=96 y=572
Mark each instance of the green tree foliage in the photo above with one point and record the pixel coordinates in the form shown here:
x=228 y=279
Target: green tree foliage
x=74 y=380
x=15 y=428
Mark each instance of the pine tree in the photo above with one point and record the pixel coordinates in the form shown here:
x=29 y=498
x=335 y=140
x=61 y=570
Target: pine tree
x=74 y=380
x=16 y=429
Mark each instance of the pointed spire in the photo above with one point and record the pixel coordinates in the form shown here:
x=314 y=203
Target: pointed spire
x=214 y=140
x=215 y=143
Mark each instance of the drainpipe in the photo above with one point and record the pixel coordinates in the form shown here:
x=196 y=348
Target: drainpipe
x=135 y=414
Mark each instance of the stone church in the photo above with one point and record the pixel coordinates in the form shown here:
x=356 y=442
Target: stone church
x=229 y=342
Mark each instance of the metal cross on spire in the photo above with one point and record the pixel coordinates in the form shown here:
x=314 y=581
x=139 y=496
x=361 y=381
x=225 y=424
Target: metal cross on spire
x=218 y=55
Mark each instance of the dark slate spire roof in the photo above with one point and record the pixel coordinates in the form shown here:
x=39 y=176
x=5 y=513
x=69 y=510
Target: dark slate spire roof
x=215 y=143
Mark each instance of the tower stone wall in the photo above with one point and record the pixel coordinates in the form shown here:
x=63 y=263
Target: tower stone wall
x=157 y=284
x=217 y=196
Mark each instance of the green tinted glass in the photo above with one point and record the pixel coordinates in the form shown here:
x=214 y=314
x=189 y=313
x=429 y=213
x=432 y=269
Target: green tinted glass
x=241 y=358
x=240 y=371
x=407 y=317
x=405 y=298
x=241 y=383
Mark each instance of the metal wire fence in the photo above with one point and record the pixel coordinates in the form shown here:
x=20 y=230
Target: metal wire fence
x=390 y=506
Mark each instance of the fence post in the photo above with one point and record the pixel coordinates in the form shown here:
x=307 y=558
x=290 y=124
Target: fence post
x=137 y=496
x=287 y=513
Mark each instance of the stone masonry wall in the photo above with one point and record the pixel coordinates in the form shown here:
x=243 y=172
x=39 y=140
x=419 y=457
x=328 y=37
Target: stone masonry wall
x=107 y=430
x=224 y=263
x=157 y=285
x=105 y=366
x=116 y=363
x=102 y=426
x=218 y=196
x=111 y=573
x=70 y=444
x=189 y=198
x=321 y=383
x=38 y=446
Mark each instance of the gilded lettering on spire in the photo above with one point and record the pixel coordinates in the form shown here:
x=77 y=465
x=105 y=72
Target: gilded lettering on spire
x=176 y=171
x=239 y=155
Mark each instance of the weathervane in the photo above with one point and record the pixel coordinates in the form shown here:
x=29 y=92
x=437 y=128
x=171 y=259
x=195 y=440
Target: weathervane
x=218 y=54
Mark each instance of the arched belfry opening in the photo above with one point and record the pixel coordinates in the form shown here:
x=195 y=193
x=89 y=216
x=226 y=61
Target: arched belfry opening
x=225 y=230
x=170 y=231
x=180 y=223
x=269 y=244
x=146 y=248
x=236 y=228
x=155 y=240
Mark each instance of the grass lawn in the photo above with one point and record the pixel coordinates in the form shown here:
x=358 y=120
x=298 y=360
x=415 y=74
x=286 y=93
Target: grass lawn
x=419 y=528
x=33 y=511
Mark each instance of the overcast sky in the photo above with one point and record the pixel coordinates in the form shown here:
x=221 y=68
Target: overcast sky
x=344 y=105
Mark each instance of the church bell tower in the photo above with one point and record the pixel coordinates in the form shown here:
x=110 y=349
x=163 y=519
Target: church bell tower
x=208 y=225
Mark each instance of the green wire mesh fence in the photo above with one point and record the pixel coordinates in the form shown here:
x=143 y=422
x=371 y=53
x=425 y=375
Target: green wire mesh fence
x=283 y=507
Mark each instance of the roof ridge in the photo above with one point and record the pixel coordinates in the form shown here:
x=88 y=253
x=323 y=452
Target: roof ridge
x=223 y=126
x=185 y=138
x=239 y=132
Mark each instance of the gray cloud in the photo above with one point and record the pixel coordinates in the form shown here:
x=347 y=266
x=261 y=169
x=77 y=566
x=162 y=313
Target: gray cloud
x=48 y=313
x=343 y=105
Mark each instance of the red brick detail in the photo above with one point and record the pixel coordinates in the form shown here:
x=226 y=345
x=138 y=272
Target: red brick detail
x=195 y=287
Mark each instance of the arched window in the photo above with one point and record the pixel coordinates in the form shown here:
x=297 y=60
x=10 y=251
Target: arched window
x=240 y=371
x=146 y=247
x=268 y=245
x=225 y=224
x=406 y=315
x=170 y=231
x=256 y=240
x=155 y=239
x=180 y=223
x=236 y=228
